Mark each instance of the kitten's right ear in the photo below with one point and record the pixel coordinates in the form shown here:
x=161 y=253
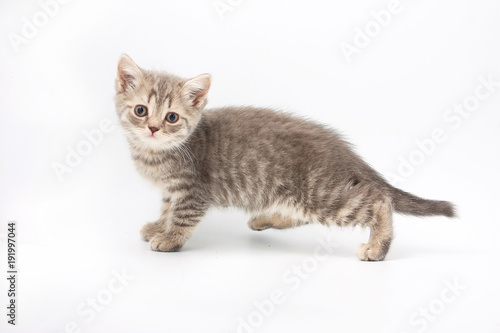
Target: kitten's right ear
x=128 y=76
x=195 y=90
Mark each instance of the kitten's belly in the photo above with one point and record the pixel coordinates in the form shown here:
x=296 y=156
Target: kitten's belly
x=262 y=201
x=289 y=210
x=274 y=206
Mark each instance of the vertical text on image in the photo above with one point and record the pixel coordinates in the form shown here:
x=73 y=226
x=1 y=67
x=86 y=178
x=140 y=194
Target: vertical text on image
x=12 y=275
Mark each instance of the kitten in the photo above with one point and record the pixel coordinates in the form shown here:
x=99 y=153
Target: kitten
x=285 y=171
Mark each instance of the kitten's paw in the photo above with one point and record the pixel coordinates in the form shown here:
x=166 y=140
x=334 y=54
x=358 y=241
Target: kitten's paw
x=151 y=229
x=366 y=252
x=164 y=243
x=258 y=224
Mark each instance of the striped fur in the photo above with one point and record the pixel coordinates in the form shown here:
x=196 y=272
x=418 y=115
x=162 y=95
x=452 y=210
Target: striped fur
x=283 y=170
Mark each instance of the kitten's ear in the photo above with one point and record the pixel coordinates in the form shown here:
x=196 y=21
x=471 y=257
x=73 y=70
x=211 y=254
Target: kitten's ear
x=195 y=90
x=129 y=74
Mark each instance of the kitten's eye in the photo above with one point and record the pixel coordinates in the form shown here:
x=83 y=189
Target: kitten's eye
x=172 y=117
x=141 y=111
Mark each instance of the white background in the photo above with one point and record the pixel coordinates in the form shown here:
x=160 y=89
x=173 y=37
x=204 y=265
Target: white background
x=75 y=234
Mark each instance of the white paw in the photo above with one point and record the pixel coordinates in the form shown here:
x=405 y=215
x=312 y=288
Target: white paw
x=164 y=243
x=368 y=253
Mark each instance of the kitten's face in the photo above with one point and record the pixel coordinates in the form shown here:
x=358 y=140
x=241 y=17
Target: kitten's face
x=158 y=111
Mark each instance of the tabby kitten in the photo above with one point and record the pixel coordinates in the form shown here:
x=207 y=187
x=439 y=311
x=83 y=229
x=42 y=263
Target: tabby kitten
x=285 y=171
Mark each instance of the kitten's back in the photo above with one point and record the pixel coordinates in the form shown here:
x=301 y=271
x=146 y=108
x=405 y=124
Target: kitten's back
x=254 y=150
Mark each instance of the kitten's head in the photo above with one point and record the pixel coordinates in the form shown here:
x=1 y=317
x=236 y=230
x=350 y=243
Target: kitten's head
x=157 y=110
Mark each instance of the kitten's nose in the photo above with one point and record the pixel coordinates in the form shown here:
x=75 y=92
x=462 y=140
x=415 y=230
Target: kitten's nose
x=153 y=129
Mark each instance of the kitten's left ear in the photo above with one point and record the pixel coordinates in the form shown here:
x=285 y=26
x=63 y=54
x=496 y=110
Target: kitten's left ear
x=195 y=90
x=128 y=75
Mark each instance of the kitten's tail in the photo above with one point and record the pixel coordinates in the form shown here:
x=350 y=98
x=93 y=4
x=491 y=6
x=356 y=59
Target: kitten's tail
x=406 y=203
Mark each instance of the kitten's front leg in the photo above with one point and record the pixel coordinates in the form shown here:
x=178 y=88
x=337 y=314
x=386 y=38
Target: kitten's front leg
x=183 y=218
x=153 y=228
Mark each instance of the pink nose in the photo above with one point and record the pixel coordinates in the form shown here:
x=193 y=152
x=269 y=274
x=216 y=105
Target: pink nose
x=153 y=129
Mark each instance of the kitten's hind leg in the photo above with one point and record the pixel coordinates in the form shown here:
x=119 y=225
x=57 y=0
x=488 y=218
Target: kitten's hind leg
x=380 y=232
x=262 y=222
